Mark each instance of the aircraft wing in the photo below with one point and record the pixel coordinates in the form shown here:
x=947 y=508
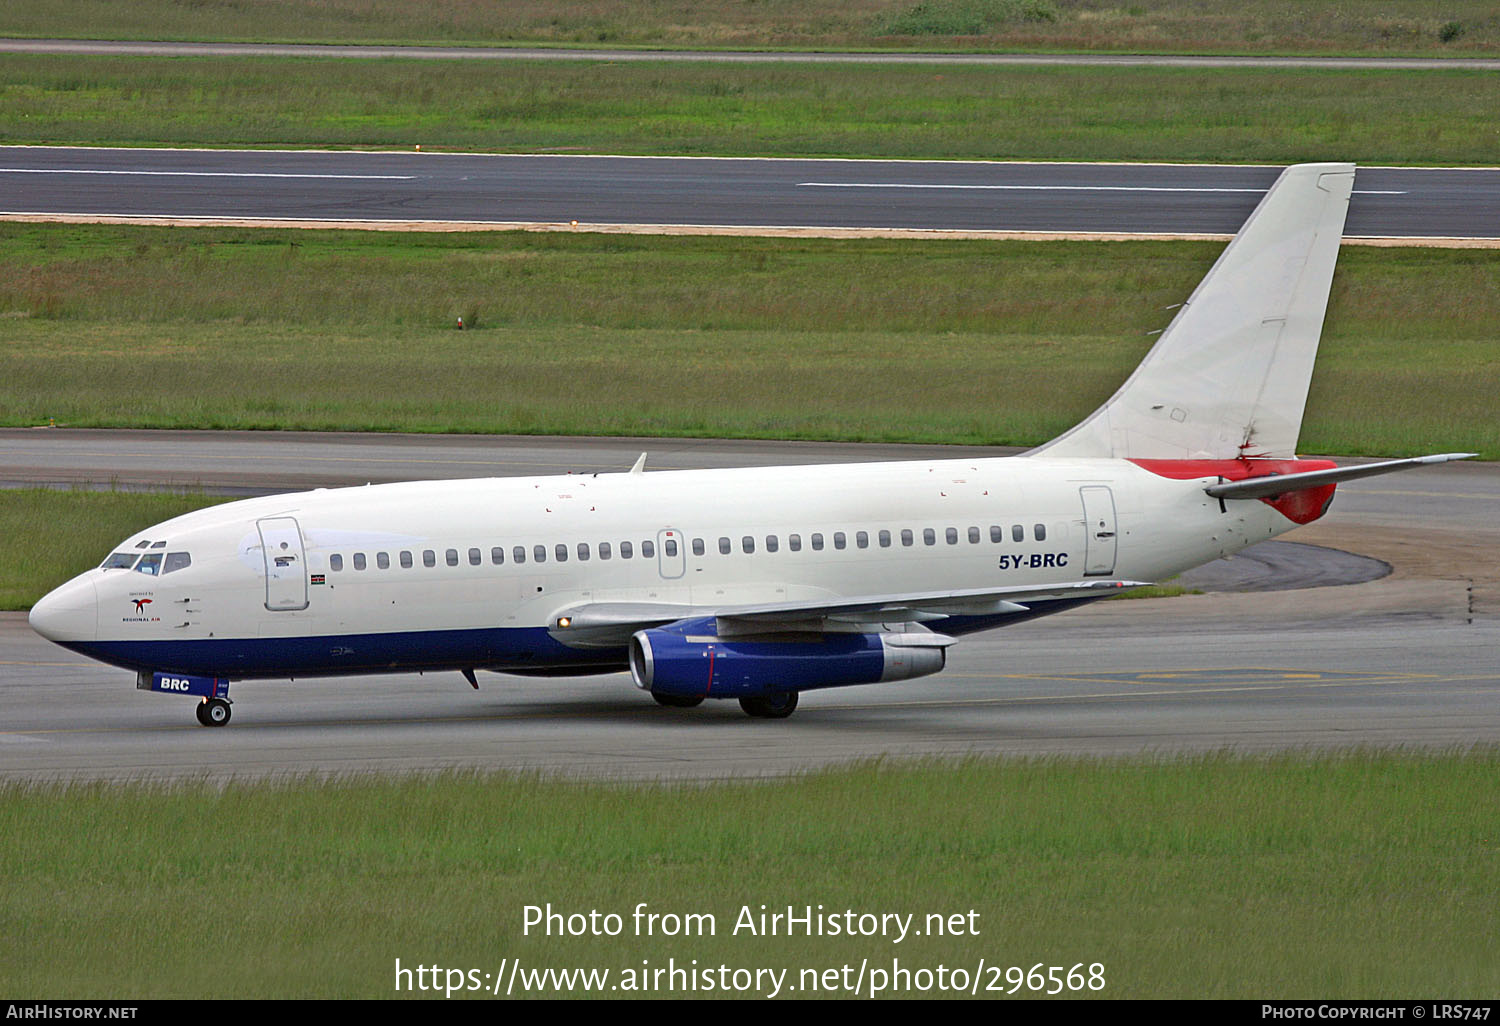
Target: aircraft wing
x=610 y=624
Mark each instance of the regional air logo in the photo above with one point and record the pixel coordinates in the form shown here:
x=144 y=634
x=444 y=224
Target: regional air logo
x=142 y=614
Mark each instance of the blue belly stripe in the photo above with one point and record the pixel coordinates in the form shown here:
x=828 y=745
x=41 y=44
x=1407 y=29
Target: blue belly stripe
x=243 y=658
x=522 y=648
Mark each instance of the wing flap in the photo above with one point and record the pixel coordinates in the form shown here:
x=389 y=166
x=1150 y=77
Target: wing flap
x=878 y=608
x=610 y=624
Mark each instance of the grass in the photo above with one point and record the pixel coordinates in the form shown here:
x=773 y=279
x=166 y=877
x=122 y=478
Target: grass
x=52 y=536
x=1214 y=877
x=864 y=340
x=1250 y=26
x=1108 y=113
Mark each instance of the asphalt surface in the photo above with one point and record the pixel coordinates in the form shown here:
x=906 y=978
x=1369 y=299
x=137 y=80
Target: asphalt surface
x=1405 y=660
x=1457 y=496
x=1162 y=677
x=412 y=188
x=133 y=48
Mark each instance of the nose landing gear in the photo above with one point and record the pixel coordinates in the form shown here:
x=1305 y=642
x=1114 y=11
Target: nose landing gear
x=213 y=712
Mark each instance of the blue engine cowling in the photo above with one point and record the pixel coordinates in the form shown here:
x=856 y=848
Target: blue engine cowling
x=694 y=662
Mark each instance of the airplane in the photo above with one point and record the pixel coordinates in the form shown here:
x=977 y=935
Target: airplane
x=758 y=584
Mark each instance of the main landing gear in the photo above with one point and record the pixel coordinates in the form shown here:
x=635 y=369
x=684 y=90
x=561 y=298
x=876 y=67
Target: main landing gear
x=213 y=712
x=677 y=701
x=766 y=707
x=771 y=707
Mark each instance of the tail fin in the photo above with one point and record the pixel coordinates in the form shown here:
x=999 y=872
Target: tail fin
x=1229 y=376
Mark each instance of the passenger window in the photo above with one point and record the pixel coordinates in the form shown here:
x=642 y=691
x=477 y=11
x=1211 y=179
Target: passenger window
x=724 y=547
x=862 y=539
x=583 y=550
x=518 y=554
x=359 y=561
x=648 y=549
x=951 y=535
x=119 y=561
x=747 y=543
x=1017 y=533
x=996 y=534
x=670 y=545
x=1039 y=531
x=771 y=544
x=383 y=560
x=697 y=546
x=451 y=556
x=429 y=558
x=604 y=550
x=335 y=562
x=885 y=539
x=475 y=557
x=906 y=536
x=929 y=536
x=539 y=553
x=838 y=539
x=562 y=552
x=150 y=564
x=625 y=550
x=405 y=559
x=176 y=561
x=794 y=542
x=973 y=536
x=817 y=542
x=497 y=555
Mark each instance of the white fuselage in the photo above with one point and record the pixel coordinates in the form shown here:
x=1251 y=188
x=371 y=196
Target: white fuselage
x=473 y=573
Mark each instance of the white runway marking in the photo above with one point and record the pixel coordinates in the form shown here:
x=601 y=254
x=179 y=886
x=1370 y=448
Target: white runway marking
x=192 y=174
x=1058 y=188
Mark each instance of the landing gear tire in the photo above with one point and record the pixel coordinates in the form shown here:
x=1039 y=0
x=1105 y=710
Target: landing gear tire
x=771 y=707
x=213 y=712
x=677 y=701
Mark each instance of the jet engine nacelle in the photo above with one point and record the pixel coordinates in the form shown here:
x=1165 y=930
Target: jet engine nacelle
x=670 y=662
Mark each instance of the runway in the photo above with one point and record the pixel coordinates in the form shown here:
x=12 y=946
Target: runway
x=134 y=48
x=1406 y=660
x=414 y=190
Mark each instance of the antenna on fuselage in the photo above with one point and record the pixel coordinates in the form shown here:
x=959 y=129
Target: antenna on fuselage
x=640 y=465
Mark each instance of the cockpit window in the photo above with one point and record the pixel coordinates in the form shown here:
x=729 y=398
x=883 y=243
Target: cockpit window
x=176 y=561
x=150 y=564
x=119 y=561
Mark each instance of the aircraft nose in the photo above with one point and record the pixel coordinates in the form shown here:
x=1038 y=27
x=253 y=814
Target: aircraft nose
x=69 y=612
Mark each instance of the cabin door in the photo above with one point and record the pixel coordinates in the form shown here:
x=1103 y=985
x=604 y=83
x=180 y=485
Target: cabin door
x=286 y=574
x=1098 y=529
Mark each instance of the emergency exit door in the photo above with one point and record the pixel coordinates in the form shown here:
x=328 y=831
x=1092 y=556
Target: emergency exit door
x=671 y=554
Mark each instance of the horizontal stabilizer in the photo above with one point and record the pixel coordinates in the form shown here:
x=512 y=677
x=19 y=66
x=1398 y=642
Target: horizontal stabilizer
x=1273 y=485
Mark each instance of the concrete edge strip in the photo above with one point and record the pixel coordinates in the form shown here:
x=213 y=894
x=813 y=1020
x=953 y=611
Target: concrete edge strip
x=769 y=231
x=409 y=150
